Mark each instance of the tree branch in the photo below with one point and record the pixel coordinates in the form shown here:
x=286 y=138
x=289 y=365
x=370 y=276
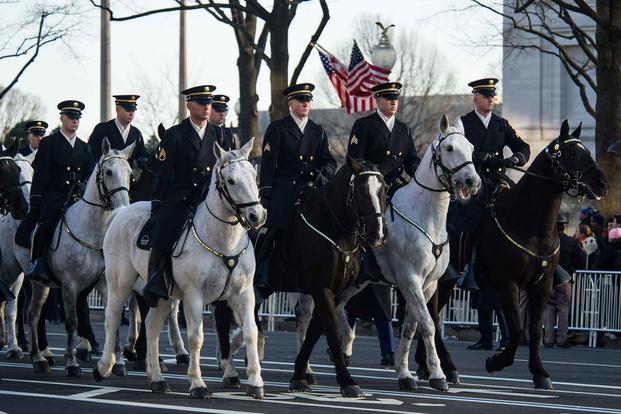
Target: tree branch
x=324 y=21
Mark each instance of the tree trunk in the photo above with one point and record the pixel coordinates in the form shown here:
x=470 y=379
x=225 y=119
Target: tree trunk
x=248 y=113
x=279 y=46
x=608 y=106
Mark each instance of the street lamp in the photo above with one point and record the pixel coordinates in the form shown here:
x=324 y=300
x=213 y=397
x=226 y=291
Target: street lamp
x=384 y=54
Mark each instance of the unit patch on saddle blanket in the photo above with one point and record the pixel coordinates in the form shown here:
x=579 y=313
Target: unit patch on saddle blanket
x=144 y=238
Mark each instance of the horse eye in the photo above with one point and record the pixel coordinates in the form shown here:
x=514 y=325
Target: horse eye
x=230 y=181
x=449 y=148
x=108 y=173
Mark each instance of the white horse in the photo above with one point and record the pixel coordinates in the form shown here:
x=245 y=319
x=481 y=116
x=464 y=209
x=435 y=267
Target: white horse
x=10 y=270
x=215 y=261
x=75 y=256
x=416 y=254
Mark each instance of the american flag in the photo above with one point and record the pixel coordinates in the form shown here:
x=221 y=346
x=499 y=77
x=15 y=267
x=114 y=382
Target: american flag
x=354 y=84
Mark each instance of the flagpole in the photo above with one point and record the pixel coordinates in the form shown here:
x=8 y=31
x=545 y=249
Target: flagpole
x=318 y=46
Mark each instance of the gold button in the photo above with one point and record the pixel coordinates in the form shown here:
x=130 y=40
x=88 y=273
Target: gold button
x=208 y=168
x=388 y=152
x=487 y=169
x=312 y=174
x=293 y=182
x=311 y=157
x=496 y=153
x=194 y=169
x=195 y=185
x=68 y=168
x=66 y=182
x=78 y=168
x=400 y=153
x=301 y=157
x=500 y=170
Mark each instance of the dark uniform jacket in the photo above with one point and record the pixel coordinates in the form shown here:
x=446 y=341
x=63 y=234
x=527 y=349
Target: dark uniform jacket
x=58 y=169
x=290 y=160
x=371 y=140
x=223 y=135
x=110 y=130
x=492 y=140
x=25 y=151
x=182 y=180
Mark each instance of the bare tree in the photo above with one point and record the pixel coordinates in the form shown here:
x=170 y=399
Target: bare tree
x=23 y=40
x=555 y=27
x=16 y=107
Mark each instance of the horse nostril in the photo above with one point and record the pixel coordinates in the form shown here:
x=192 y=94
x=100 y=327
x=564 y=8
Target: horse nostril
x=469 y=182
x=253 y=217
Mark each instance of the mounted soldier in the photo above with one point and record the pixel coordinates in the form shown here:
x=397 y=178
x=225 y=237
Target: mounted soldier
x=36 y=131
x=217 y=118
x=120 y=132
x=62 y=166
x=186 y=161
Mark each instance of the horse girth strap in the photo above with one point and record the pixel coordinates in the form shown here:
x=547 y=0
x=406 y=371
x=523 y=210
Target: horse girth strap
x=436 y=248
x=229 y=261
x=545 y=259
x=76 y=238
x=345 y=254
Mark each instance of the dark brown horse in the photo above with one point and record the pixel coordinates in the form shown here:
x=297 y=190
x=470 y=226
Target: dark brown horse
x=519 y=246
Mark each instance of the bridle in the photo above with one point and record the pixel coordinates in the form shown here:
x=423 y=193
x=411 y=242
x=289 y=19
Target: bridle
x=104 y=193
x=4 y=194
x=446 y=176
x=224 y=193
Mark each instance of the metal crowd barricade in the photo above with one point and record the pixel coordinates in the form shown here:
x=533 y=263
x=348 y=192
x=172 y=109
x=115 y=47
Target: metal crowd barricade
x=595 y=305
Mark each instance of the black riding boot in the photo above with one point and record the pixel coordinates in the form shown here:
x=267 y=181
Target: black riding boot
x=157 y=286
x=38 y=270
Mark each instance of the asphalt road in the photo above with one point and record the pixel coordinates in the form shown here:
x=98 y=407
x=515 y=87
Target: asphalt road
x=585 y=380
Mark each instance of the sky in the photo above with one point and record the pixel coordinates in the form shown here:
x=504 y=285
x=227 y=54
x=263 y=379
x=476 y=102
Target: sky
x=145 y=62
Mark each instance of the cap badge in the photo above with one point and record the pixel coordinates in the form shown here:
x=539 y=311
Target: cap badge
x=491 y=82
x=75 y=104
x=39 y=123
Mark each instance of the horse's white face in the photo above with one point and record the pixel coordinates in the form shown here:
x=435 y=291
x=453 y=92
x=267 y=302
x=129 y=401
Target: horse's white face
x=26 y=172
x=456 y=155
x=115 y=174
x=238 y=175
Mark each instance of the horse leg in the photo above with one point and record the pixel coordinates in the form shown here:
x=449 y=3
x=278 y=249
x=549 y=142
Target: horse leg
x=326 y=310
x=72 y=368
x=84 y=349
x=174 y=334
x=313 y=333
x=129 y=349
x=537 y=298
x=223 y=315
x=348 y=334
x=303 y=314
x=508 y=292
x=243 y=307
x=10 y=315
x=39 y=296
x=23 y=304
x=193 y=307
x=154 y=323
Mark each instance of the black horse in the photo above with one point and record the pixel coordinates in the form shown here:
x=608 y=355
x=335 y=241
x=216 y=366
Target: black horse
x=519 y=245
x=320 y=254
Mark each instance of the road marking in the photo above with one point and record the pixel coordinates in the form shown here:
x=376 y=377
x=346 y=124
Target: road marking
x=94 y=393
x=585 y=364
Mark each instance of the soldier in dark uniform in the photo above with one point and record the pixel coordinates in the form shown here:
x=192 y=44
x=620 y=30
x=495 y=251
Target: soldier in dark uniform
x=62 y=166
x=36 y=131
x=489 y=133
x=381 y=137
x=186 y=160
x=217 y=118
x=120 y=132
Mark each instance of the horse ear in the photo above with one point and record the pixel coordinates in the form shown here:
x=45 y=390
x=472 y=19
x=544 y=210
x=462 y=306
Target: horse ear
x=577 y=131
x=218 y=151
x=105 y=146
x=247 y=148
x=161 y=131
x=444 y=123
x=459 y=125
x=127 y=152
x=11 y=151
x=564 y=129
x=354 y=165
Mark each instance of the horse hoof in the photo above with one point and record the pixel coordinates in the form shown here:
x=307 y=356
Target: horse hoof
x=14 y=354
x=139 y=365
x=299 y=386
x=489 y=365
x=130 y=354
x=74 y=371
x=407 y=384
x=310 y=378
x=96 y=350
x=201 y=393
x=51 y=361
x=255 y=392
x=439 y=384
x=351 y=391
x=119 y=370
x=183 y=360
x=422 y=373
x=160 y=387
x=542 y=383
x=231 y=382
x=96 y=375
x=452 y=376
x=83 y=355
x=41 y=367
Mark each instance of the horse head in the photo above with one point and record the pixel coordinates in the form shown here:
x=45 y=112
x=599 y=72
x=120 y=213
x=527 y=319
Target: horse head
x=452 y=160
x=26 y=172
x=368 y=197
x=112 y=177
x=574 y=165
x=11 y=196
x=236 y=181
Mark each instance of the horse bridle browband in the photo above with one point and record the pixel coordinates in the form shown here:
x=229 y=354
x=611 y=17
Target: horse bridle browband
x=436 y=162
x=104 y=193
